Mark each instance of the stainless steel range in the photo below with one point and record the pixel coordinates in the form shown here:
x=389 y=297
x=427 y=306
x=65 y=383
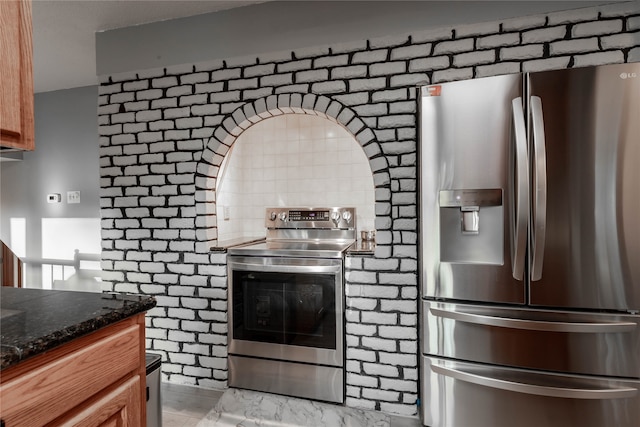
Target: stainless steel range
x=286 y=304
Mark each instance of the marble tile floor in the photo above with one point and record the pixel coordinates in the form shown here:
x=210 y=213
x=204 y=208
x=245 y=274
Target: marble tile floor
x=185 y=406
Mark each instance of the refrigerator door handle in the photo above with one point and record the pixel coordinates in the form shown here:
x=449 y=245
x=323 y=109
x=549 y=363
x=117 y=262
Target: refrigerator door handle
x=540 y=189
x=535 y=325
x=540 y=390
x=519 y=191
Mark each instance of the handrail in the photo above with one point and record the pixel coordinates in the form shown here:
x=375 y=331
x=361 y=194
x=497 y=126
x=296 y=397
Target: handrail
x=75 y=263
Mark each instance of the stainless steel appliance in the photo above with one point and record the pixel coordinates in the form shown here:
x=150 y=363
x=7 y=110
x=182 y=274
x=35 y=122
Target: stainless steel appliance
x=530 y=249
x=286 y=303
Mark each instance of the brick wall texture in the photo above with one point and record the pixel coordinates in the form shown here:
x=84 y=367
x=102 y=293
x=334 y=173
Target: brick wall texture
x=164 y=133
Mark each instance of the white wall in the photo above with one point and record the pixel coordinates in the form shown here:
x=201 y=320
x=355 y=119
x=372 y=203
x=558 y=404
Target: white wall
x=66 y=158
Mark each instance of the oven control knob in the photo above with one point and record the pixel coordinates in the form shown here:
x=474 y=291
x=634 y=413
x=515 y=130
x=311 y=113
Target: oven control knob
x=283 y=216
x=346 y=215
x=335 y=217
x=273 y=216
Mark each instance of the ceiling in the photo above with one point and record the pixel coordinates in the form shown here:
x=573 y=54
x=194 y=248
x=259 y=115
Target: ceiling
x=64 y=54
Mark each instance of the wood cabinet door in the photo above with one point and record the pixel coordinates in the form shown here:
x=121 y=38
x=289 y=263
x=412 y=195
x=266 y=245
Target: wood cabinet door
x=16 y=75
x=117 y=408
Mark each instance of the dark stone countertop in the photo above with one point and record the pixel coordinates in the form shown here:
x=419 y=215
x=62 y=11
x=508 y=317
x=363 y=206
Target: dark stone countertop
x=33 y=321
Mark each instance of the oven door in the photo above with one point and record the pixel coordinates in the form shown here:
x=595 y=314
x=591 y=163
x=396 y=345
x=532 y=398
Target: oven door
x=286 y=308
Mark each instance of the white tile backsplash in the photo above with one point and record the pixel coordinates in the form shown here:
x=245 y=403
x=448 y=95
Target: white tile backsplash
x=292 y=160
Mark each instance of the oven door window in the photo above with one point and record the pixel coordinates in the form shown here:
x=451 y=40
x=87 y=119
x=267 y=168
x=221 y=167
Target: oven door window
x=285 y=308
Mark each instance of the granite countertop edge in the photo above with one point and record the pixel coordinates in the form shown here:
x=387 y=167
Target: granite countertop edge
x=11 y=355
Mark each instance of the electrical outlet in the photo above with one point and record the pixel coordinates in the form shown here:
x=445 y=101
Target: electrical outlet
x=73 y=197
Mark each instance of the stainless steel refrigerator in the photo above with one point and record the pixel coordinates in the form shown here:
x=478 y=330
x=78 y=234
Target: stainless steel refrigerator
x=530 y=249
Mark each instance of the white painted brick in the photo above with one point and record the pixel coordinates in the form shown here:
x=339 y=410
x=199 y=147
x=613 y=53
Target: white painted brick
x=408 y=360
x=395 y=121
x=361 y=380
x=408 y=320
x=164 y=103
x=179 y=91
x=417 y=79
x=451 y=75
x=331 y=61
x=379 y=344
x=122 y=97
x=397 y=332
x=387 y=68
x=370 y=57
x=497 y=69
x=600 y=58
x=389 y=95
x=360 y=354
x=182 y=358
x=361 y=303
x=329 y=87
x=574 y=46
x=411 y=52
x=620 y=41
x=212 y=338
x=377 y=394
x=474 y=58
x=181 y=313
x=634 y=55
x=599 y=27
x=360 y=329
x=497 y=40
x=349 y=72
x=165 y=345
x=164 y=82
x=360 y=277
x=378 y=370
x=379 y=318
x=398 y=305
x=454 y=46
x=633 y=23
x=353 y=366
x=129 y=288
x=294 y=66
x=520 y=53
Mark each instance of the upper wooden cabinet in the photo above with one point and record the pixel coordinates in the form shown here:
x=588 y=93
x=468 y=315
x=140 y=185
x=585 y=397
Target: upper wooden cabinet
x=16 y=75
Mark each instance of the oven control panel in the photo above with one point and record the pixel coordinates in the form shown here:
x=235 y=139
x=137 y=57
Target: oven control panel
x=311 y=218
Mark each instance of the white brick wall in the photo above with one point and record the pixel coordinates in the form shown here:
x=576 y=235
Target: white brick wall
x=164 y=133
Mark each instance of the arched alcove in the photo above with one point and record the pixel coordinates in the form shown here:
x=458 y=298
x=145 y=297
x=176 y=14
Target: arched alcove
x=217 y=148
x=298 y=160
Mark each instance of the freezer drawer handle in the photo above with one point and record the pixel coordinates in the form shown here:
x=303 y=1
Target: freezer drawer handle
x=571 y=393
x=536 y=325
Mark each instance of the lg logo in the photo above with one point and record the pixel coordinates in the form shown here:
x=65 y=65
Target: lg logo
x=628 y=75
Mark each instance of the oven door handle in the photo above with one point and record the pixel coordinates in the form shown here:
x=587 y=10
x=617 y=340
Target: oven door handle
x=288 y=268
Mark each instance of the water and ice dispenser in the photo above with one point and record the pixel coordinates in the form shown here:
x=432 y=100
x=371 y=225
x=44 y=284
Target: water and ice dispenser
x=472 y=226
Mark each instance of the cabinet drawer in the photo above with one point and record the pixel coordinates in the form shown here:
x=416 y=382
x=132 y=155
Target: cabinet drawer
x=118 y=407
x=55 y=387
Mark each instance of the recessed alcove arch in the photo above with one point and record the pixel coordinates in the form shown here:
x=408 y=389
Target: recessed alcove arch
x=251 y=113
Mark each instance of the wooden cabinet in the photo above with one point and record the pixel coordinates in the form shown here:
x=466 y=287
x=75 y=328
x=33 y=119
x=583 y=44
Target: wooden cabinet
x=16 y=75
x=96 y=380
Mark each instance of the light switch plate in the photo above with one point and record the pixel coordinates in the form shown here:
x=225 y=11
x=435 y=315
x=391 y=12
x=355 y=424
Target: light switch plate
x=73 y=197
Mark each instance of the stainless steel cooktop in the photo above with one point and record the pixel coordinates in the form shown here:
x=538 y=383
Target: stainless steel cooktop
x=304 y=232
